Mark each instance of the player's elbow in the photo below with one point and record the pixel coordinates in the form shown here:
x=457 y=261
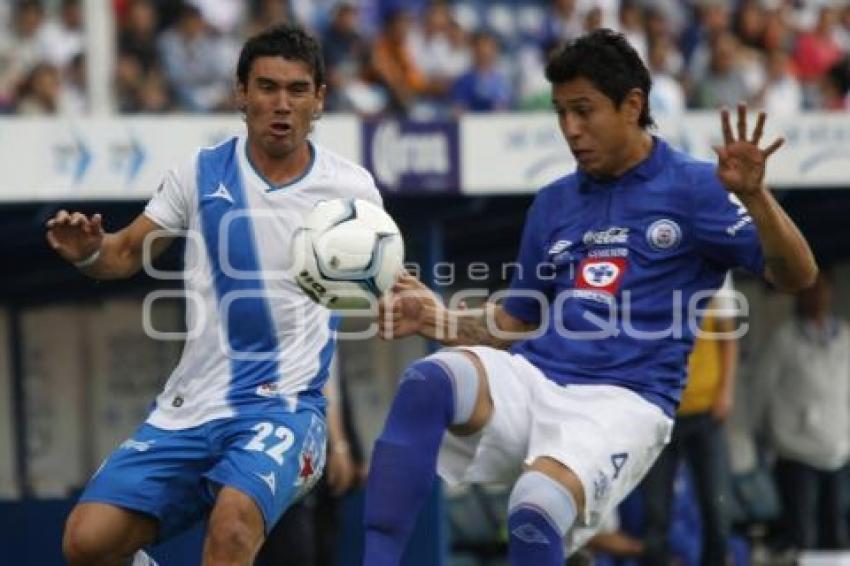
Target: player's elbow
x=794 y=281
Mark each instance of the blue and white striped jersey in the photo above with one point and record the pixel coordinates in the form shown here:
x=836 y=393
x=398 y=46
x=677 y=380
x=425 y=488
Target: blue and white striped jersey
x=255 y=340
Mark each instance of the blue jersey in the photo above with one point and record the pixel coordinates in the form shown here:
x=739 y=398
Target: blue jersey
x=615 y=272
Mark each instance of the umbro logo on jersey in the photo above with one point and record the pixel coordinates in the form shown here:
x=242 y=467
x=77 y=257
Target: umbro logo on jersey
x=560 y=253
x=559 y=246
x=222 y=193
x=268 y=479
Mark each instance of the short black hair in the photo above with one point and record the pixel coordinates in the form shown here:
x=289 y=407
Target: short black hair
x=605 y=58
x=289 y=41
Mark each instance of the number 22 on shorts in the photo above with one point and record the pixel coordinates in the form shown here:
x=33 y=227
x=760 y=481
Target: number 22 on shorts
x=276 y=450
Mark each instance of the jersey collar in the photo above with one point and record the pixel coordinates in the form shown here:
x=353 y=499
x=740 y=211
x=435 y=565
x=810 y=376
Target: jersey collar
x=271 y=186
x=643 y=171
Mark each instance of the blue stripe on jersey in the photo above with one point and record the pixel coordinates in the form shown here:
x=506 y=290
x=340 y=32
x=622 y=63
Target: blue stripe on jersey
x=313 y=394
x=247 y=321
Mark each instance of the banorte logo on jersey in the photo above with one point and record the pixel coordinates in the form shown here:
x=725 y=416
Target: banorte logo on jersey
x=601 y=274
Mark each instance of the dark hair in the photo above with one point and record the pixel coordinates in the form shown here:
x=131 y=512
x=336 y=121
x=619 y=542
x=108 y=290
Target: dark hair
x=288 y=41
x=606 y=59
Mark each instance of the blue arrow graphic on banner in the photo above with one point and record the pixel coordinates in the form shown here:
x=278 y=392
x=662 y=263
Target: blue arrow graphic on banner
x=84 y=159
x=137 y=158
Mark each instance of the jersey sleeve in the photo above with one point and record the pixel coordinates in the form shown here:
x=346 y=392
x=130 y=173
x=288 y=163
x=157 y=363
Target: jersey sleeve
x=367 y=188
x=527 y=286
x=170 y=205
x=723 y=227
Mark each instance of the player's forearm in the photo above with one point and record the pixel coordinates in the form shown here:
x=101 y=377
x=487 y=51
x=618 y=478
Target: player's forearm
x=115 y=261
x=464 y=328
x=789 y=262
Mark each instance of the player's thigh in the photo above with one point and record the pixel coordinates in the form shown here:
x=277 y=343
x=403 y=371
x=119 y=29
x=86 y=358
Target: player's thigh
x=497 y=451
x=157 y=473
x=236 y=524
x=101 y=530
x=274 y=458
x=608 y=437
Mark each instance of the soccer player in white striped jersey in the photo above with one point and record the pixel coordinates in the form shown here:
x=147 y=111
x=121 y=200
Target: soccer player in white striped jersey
x=239 y=432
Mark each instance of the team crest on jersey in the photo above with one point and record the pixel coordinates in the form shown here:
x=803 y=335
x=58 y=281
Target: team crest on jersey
x=663 y=234
x=601 y=274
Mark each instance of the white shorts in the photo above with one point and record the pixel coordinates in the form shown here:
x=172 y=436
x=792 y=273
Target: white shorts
x=608 y=436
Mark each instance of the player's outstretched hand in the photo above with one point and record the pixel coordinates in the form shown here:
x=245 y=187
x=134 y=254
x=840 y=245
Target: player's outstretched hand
x=741 y=164
x=404 y=310
x=75 y=236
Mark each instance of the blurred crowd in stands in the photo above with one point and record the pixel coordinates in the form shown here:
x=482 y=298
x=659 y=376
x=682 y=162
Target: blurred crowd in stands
x=430 y=59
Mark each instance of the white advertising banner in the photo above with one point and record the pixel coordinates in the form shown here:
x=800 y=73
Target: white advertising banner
x=512 y=153
x=54 y=392
x=125 y=158
x=121 y=158
x=128 y=367
x=8 y=454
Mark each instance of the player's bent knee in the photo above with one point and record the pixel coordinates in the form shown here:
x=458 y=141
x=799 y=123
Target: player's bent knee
x=235 y=527
x=545 y=496
x=233 y=538
x=471 y=405
x=564 y=476
x=92 y=538
x=78 y=546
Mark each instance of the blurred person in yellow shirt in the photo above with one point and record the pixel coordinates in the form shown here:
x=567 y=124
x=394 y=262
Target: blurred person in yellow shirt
x=699 y=438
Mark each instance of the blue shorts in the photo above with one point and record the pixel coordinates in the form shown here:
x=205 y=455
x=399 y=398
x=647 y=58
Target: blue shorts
x=174 y=475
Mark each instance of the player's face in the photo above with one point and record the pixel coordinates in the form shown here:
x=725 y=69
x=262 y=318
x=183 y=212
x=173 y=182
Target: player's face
x=281 y=100
x=599 y=134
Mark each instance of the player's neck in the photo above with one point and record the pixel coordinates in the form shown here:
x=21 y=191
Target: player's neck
x=280 y=170
x=636 y=151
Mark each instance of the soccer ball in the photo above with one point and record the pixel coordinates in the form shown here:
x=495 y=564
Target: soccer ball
x=347 y=253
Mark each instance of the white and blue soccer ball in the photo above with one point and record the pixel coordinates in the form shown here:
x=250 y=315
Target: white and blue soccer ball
x=347 y=253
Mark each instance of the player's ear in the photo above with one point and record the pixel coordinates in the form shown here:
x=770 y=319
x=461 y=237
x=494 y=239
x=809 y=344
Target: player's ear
x=241 y=97
x=633 y=105
x=320 y=101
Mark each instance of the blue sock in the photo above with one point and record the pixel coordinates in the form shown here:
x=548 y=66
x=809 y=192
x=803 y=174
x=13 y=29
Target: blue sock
x=404 y=460
x=533 y=539
x=541 y=512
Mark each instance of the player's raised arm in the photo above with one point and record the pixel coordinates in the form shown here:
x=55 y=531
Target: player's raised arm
x=789 y=262
x=412 y=308
x=81 y=240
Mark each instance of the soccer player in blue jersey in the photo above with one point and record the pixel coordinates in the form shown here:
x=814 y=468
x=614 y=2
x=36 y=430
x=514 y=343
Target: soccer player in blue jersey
x=239 y=431
x=567 y=389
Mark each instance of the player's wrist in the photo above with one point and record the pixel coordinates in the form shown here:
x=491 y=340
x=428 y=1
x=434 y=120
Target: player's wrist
x=754 y=199
x=89 y=260
x=441 y=322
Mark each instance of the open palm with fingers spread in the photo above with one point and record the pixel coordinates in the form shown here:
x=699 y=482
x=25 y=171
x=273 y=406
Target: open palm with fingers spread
x=75 y=236
x=741 y=164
